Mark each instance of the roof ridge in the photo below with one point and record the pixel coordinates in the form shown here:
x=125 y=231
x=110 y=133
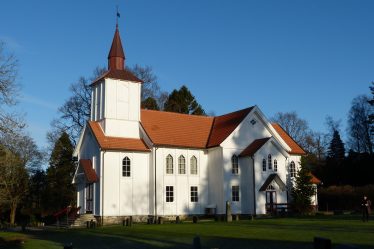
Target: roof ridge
x=177 y=113
x=288 y=134
x=230 y=113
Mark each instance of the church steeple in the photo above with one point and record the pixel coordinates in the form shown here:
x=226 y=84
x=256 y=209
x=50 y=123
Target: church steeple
x=116 y=57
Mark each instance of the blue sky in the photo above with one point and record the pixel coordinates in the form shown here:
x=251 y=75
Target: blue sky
x=312 y=57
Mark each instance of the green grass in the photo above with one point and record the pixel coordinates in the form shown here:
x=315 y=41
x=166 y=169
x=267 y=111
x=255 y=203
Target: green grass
x=260 y=233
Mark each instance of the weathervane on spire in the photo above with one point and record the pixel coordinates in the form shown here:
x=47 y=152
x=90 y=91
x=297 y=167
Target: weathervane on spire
x=118 y=16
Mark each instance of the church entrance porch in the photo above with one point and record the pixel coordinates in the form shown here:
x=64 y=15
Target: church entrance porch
x=89 y=198
x=271 y=201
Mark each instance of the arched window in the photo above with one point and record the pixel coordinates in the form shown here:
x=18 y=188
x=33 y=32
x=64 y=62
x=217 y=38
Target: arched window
x=181 y=165
x=270 y=187
x=264 y=164
x=193 y=165
x=292 y=169
x=235 y=165
x=126 y=167
x=270 y=163
x=275 y=165
x=169 y=164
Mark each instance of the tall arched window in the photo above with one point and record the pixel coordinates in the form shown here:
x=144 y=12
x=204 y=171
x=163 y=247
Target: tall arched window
x=235 y=165
x=275 y=165
x=169 y=164
x=270 y=163
x=193 y=165
x=181 y=165
x=292 y=169
x=126 y=167
x=264 y=164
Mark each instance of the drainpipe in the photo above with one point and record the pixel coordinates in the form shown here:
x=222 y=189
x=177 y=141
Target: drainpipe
x=155 y=173
x=254 y=186
x=102 y=188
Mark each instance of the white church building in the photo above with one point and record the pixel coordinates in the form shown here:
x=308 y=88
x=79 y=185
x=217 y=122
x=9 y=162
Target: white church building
x=141 y=163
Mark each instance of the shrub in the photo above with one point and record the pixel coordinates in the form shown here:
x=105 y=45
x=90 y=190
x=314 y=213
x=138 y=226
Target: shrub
x=343 y=197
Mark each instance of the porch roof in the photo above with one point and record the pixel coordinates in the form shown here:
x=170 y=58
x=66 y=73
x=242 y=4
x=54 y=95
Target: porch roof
x=270 y=179
x=89 y=172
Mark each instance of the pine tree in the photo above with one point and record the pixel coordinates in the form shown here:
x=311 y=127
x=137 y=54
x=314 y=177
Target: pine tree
x=336 y=149
x=60 y=191
x=182 y=101
x=150 y=104
x=302 y=190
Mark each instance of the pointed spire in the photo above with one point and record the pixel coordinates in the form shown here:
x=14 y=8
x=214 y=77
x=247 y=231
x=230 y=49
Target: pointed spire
x=116 y=57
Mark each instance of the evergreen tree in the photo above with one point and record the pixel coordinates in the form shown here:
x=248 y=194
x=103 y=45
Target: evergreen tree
x=37 y=186
x=371 y=115
x=336 y=149
x=60 y=192
x=334 y=170
x=150 y=104
x=182 y=101
x=302 y=190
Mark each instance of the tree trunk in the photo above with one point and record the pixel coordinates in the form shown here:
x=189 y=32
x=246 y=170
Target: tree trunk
x=13 y=209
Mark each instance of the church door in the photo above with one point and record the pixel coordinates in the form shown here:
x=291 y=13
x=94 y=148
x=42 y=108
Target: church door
x=89 y=198
x=271 y=200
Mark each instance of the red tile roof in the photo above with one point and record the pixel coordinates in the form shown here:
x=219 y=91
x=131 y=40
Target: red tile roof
x=116 y=143
x=89 y=172
x=224 y=125
x=295 y=148
x=314 y=179
x=118 y=74
x=175 y=129
x=254 y=146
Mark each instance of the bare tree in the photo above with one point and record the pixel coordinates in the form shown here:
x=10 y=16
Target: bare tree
x=360 y=137
x=75 y=112
x=8 y=90
x=19 y=156
x=8 y=75
x=296 y=127
x=13 y=181
x=150 y=86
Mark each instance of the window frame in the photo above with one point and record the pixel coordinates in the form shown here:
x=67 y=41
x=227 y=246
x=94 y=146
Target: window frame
x=270 y=162
x=169 y=194
x=275 y=167
x=169 y=165
x=292 y=169
x=193 y=168
x=235 y=193
x=181 y=165
x=264 y=165
x=126 y=167
x=235 y=165
x=194 y=194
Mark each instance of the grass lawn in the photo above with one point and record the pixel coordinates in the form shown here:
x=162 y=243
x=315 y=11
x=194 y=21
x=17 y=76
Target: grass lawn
x=274 y=233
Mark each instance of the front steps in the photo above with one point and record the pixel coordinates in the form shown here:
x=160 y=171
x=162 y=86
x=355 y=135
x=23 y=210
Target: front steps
x=81 y=220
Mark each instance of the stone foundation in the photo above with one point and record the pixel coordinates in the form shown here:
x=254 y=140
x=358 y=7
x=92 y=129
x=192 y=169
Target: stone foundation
x=118 y=220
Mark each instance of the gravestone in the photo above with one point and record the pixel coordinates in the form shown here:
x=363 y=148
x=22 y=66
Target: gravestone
x=196 y=242
x=194 y=219
x=321 y=243
x=228 y=212
x=68 y=246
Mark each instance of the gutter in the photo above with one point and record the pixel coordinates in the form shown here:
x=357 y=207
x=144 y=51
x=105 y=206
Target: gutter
x=102 y=188
x=155 y=173
x=253 y=186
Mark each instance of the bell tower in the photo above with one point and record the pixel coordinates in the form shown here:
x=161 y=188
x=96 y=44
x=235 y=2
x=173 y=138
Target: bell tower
x=116 y=96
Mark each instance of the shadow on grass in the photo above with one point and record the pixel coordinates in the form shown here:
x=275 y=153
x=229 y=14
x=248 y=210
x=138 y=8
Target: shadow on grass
x=269 y=234
x=11 y=243
x=87 y=240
